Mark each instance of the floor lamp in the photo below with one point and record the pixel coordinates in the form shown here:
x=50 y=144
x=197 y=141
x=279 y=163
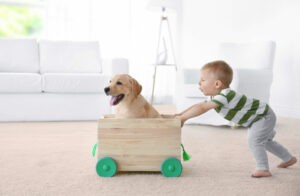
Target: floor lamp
x=161 y=57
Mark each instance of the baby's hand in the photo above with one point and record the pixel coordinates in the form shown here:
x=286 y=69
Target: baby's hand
x=173 y=116
x=179 y=116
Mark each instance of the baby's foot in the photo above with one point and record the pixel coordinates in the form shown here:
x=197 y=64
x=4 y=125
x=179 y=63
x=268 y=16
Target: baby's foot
x=261 y=173
x=292 y=161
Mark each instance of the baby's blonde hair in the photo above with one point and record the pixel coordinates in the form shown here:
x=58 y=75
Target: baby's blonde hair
x=221 y=70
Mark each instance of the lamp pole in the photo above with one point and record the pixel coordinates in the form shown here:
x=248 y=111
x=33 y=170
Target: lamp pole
x=164 y=19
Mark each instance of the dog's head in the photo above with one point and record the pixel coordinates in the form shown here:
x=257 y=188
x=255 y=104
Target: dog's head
x=122 y=88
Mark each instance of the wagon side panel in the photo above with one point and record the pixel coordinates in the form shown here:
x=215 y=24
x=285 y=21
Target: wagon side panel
x=139 y=145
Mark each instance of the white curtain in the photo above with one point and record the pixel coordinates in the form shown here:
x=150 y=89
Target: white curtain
x=105 y=21
x=67 y=19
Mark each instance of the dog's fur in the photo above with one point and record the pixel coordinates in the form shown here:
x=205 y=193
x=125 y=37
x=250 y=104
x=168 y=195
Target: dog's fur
x=126 y=98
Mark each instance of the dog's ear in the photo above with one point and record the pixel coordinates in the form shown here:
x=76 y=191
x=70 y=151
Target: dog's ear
x=135 y=87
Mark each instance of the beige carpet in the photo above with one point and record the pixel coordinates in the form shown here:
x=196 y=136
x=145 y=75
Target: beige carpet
x=55 y=159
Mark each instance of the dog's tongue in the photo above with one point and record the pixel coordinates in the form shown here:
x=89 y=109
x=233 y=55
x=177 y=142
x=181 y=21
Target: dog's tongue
x=113 y=100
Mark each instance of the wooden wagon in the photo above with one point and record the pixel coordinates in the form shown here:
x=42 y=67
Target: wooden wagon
x=144 y=144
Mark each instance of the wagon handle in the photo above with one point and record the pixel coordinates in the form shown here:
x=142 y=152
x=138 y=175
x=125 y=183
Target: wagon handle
x=94 y=149
x=185 y=155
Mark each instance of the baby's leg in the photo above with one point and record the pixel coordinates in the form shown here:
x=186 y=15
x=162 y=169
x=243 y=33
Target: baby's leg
x=260 y=156
x=258 y=135
x=257 y=147
x=281 y=152
x=288 y=163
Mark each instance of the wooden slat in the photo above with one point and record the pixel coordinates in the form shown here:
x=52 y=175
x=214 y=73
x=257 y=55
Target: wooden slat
x=138 y=123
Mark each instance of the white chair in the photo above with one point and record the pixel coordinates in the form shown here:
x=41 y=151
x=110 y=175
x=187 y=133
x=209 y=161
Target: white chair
x=252 y=65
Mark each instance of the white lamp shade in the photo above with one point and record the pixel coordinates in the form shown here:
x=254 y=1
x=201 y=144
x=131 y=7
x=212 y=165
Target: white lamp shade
x=157 y=5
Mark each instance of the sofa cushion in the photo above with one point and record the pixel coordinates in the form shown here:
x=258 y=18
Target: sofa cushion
x=20 y=83
x=74 y=82
x=19 y=55
x=70 y=57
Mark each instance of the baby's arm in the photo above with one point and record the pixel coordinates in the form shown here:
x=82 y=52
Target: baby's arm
x=175 y=115
x=196 y=110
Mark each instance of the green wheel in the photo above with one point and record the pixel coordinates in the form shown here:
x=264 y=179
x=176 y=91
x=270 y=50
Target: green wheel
x=171 y=167
x=106 y=167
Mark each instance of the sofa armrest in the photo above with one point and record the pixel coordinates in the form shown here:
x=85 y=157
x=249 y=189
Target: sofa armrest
x=115 y=66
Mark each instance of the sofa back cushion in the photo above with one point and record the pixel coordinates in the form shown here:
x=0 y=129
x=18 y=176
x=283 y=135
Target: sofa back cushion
x=74 y=82
x=70 y=57
x=19 y=55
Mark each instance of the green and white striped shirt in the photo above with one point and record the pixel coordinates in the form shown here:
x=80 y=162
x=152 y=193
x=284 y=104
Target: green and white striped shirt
x=238 y=108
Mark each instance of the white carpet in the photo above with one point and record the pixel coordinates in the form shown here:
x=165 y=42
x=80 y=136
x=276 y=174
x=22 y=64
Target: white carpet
x=55 y=159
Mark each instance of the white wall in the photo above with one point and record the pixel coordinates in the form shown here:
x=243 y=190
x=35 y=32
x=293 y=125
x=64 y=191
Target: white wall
x=248 y=20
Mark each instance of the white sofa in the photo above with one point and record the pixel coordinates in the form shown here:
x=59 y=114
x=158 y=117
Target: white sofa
x=54 y=80
x=252 y=64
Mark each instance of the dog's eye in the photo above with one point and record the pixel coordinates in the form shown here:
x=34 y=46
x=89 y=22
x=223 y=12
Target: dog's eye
x=119 y=83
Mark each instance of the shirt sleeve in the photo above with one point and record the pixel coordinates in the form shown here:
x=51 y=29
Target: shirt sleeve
x=220 y=100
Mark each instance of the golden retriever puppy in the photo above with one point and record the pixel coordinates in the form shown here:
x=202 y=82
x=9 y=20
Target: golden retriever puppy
x=125 y=96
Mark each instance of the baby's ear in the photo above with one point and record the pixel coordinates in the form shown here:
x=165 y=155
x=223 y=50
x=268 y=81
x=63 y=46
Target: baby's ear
x=135 y=87
x=218 y=83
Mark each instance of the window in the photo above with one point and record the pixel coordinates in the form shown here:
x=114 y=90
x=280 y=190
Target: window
x=21 y=18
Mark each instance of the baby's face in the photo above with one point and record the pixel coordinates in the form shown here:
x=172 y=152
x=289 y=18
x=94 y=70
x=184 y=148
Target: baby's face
x=208 y=83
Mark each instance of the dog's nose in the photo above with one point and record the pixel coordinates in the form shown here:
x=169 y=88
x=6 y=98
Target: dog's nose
x=106 y=90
